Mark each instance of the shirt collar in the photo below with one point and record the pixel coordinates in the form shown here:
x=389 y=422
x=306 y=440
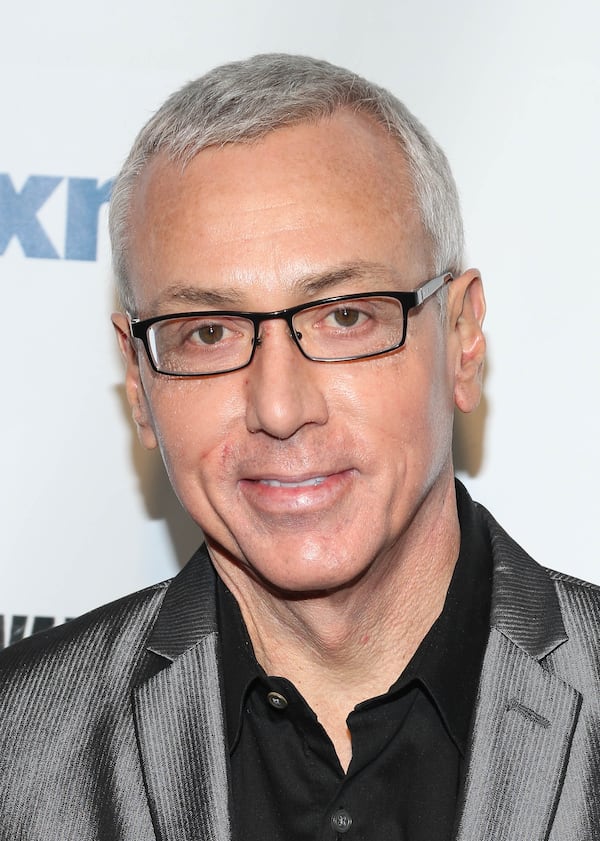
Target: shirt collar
x=240 y=667
x=447 y=662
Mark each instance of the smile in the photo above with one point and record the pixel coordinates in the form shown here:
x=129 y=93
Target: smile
x=272 y=497
x=307 y=483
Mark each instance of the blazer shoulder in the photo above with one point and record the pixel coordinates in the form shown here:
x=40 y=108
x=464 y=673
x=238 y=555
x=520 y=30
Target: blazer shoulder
x=571 y=583
x=112 y=632
x=539 y=609
x=580 y=606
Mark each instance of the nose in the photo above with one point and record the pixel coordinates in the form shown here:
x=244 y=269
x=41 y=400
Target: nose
x=284 y=389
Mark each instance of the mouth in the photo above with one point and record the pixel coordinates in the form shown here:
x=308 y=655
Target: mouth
x=306 y=483
x=275 y=496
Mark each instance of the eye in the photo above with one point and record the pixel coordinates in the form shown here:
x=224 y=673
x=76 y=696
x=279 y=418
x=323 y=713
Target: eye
x=345 y=317
x=208 y=334
x=204 y=332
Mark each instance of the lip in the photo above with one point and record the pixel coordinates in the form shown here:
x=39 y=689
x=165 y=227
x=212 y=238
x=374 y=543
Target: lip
x=311 y=482
x=272 y=493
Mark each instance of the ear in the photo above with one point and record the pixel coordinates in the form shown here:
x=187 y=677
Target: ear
x=134 y=387
x=466 y=311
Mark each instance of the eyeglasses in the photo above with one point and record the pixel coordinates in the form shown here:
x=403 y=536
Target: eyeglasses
x=338 y=329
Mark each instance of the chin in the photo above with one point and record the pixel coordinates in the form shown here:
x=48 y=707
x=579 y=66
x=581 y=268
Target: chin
x=308 y=569
x=306 y=582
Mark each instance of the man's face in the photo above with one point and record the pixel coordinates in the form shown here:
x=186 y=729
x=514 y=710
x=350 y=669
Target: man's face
x=306 y=474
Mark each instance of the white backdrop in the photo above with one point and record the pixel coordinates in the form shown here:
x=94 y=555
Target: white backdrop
x=512 y=91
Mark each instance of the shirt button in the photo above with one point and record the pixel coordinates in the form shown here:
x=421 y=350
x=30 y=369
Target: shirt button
x=341 y=820
x=279 y=702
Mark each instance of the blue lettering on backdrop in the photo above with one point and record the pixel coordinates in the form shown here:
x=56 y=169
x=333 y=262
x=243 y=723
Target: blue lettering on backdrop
x=83 y=205
x=19 y=209
x=18 y=214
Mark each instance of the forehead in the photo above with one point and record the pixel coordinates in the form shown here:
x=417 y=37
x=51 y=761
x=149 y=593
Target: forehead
x=256 y=217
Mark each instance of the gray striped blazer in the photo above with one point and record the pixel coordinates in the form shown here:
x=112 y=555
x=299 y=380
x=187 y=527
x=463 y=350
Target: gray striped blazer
x=111 y=727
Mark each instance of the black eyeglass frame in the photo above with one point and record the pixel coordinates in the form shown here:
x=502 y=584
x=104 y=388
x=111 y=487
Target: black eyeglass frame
x=409 y=300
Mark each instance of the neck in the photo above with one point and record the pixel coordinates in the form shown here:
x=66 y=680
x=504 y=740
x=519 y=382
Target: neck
x=343 y=647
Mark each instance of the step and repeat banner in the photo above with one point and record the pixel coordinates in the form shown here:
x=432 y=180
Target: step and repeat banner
x=513 y=95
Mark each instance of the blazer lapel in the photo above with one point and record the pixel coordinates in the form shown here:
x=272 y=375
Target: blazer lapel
x=525 y=716
x=522 y=734
x=179 y=715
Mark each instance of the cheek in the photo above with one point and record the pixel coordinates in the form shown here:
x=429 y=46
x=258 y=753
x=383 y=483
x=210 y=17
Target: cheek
x=404 y=407
x=195 y=423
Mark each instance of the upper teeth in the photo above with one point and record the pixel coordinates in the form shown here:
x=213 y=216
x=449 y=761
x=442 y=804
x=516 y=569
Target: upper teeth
x=275 y=483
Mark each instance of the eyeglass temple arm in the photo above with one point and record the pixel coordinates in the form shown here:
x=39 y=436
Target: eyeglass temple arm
x=431 y=287
x=132 y=322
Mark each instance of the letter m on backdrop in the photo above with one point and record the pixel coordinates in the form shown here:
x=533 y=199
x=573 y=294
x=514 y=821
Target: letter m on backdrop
x=19 y=209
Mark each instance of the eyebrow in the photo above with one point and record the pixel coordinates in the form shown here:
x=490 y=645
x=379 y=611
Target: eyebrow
x=215 y=298
x=328 y=280
x=228 y=297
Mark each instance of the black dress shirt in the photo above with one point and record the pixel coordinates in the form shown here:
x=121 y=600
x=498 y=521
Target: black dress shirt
x=408 y=746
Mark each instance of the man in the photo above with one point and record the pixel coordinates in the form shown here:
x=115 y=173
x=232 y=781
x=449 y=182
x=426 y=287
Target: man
x=359 y=650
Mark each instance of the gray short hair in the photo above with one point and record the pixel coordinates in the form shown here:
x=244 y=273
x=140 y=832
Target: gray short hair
x=244 y=100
